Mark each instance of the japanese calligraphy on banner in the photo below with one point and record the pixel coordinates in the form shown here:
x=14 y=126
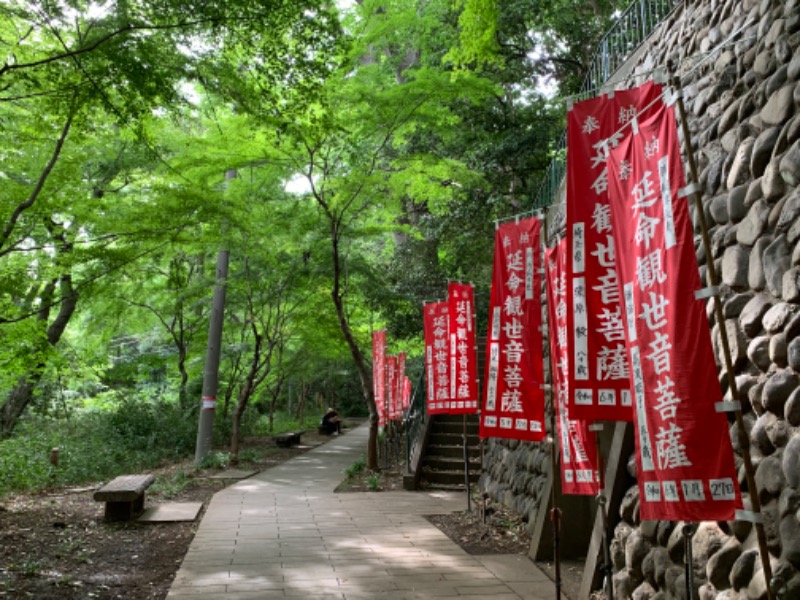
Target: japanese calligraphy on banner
x=685 y=464
x=513 y=405
x=400 y=385
x=391 y=388
x=437 y=357
x=406 y=393
x=379 y=373
x=463 y=360
x=599 y=371
x=579 y=466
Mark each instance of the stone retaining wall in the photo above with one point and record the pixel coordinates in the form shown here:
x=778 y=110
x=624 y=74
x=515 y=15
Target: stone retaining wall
x=742 y=101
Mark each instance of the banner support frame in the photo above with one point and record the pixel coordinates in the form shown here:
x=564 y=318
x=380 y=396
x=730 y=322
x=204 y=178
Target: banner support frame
x=712 y=278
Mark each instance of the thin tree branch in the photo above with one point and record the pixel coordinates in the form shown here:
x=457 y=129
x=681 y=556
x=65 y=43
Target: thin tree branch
x=23 y=206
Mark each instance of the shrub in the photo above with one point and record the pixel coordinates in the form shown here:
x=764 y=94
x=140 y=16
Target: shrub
x=356 y=468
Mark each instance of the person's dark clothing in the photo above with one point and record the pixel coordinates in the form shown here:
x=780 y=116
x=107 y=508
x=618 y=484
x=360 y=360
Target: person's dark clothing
x=330 y=423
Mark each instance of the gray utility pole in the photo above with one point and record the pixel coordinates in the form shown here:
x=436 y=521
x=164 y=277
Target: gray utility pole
x=208 y=406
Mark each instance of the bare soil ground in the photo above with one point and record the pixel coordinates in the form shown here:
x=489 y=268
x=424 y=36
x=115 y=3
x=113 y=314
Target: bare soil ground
x=55 y=545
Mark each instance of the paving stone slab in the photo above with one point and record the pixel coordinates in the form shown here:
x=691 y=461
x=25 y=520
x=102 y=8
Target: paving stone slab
x=171 y=512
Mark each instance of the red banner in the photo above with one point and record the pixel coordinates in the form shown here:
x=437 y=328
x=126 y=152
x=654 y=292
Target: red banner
x=579 y=466
x=685 y=464
x=437 y=357
x=400 y=382
x=463 y=359
x=513 y=405
x=599 y=372
x=379 y=373
x=406 y=393
x=391 y=388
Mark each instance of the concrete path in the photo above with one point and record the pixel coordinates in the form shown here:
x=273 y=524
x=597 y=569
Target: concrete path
x=285 y=534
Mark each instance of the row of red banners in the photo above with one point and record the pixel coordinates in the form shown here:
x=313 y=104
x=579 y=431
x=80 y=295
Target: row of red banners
x=624 y=325
x=451 y=364
x=391 y=386
x=632 y=315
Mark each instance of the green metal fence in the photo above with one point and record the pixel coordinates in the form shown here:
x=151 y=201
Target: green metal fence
x=627 y=34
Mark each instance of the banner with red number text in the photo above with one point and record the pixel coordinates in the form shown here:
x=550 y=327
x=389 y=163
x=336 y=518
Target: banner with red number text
x=580 y=473
x=599 y=372
x=513 y=405
x=463 y=358
x=685 y=464
x=379 y=373
x=437 y=357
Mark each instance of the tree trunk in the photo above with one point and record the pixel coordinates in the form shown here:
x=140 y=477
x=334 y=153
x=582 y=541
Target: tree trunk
x=21 y=395
x=364 y=374
x=236 y=427
x=16 y=402
x=183 y=396
x=245 y=392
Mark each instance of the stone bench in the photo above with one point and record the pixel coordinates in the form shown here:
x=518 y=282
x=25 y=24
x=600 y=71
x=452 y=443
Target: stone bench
x=286 y=440
x=124 y=496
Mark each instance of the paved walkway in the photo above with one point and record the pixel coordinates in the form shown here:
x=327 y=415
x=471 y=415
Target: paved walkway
x=285 y=534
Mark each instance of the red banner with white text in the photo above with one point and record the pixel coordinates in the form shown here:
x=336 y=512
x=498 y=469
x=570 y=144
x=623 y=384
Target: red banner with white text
x=406 y=393
x=580 y=473
x=599 y=372
x=463 y=358
x=513 y=405
x=437 y=357
x=685 y=464
x=400 y=383
x=379 y=373
x=391 y=388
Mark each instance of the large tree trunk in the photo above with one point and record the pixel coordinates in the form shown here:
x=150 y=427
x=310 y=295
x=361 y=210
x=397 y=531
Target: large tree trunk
x=364 y=374
x=21 y=395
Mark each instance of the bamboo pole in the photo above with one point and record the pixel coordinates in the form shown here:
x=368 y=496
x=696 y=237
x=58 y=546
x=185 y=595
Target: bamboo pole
x=713 y=281
x=555 y=511
x=602 y=501
x=466 y=465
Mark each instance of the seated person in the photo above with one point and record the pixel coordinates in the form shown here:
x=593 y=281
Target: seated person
x=331 y=423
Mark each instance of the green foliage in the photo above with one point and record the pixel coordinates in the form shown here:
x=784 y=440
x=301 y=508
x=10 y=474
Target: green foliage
x=169 y=486
x=215 y=460
x=356 y=468
x=282 y=423
x=414 y=127
x=93 y=445
x=373 y=482
x=249 y=456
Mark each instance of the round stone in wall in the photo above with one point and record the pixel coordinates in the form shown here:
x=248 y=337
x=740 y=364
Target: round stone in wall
x=754 y=224
x=779 y=107
x=791 y=462
x=762 y=150
x=777 y=349
x=777 y=316
x=777 y=390
x=789 y=167
x=791 y=410
x=777 y=260
x=758 y=352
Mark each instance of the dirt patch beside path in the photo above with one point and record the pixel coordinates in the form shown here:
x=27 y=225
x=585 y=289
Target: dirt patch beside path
x=55 y=545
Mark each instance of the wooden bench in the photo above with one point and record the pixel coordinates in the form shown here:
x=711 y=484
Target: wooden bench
x=124 y=496
x=286 y=440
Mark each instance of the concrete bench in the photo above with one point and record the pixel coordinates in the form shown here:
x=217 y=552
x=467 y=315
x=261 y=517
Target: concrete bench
x=124 y=496
x=288 y=439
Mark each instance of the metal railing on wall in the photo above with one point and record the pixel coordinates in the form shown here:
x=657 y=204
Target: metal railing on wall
x=627 y=34
x=414 y=423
